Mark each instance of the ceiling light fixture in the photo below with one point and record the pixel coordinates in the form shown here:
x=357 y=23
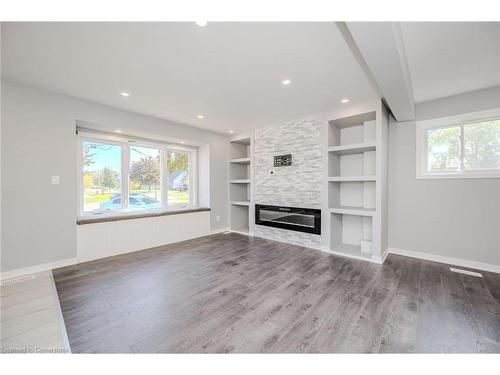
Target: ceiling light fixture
x=231 y=131
x=200 y=116
x=118 y=131
x=346 y=100
x=126 y=94
x=183 y=142
x=201 y=23
x=286 y=82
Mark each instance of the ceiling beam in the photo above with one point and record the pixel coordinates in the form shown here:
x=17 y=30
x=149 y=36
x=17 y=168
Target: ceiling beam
x=379 y=48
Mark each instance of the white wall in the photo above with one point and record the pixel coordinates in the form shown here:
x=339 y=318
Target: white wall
x=457 y=218
x=38 y=141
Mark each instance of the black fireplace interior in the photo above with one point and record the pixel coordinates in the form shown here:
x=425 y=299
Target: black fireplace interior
x=306 y=220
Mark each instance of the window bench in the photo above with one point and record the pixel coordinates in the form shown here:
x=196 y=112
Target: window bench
x=82 y=220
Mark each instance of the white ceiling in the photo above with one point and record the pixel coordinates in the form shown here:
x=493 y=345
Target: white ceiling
x=229 y=72
x=448 y=58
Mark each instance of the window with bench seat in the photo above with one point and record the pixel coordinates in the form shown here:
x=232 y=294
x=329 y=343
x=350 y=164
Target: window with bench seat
x=125 y=175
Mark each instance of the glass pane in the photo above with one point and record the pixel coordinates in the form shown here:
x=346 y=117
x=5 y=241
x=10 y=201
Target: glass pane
x=482 y=145
x=101 y=176
x=443 y=149
x=304 y=220
x=144 y=178
x=178 y=178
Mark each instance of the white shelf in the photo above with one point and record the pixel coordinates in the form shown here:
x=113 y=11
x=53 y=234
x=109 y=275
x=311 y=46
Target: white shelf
x=241 y=203
x=240 y=161
x=242 y=140
x=352 y=178
x=357 y=211
x=353 y=148
x=351 y=251
x=239 y=181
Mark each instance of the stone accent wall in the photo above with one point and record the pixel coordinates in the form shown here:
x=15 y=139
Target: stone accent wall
x=298 y=185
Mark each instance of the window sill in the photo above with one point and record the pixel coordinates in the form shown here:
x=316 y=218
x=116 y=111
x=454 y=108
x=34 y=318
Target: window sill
x=103 y=218
x=457 y=175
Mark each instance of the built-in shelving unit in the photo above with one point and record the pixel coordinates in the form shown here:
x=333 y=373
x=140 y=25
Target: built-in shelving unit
x=240 y=184
x=355 y=182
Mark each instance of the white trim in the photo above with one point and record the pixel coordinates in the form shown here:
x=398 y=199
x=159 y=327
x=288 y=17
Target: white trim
x=38 y=268
x=456 y=120
x=372 y=259
x=385 y=255
x=447 y=260
x=243 y=233
x=62 y=325
x=217 y=231
x=465 y=272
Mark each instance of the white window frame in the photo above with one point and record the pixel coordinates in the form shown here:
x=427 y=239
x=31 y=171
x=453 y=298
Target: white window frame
x=125 y=142
x=451 y=121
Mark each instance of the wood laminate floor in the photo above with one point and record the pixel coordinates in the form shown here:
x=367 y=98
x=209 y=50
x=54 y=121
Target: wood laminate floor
x=232 y=293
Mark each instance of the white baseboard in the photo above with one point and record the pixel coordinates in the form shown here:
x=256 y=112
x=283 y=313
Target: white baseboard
x=217 y=231
x=243 y=233
x=38 y=268
x=373 y=259
x=385 y=255
x=447 y=260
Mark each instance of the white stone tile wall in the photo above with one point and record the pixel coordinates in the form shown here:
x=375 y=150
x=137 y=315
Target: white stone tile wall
x=298 y=185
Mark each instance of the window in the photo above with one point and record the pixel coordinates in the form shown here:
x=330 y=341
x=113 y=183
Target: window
x=465 y=146
x=144 y=178
x=178 y=178
x=101 y=176
x=119 y=174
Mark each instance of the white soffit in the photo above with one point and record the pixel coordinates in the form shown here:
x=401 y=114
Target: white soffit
x=381 y=47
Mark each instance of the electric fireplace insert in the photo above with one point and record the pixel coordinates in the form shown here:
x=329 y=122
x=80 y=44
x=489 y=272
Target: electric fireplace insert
x=306 y=220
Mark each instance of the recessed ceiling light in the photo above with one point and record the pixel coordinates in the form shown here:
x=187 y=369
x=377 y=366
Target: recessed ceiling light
x=201 y=23
x=231 y=131
x=183 y=142
x=200 y=116
x=123 y=93
x=118 y=131
x=286 y=82
x=346 y=100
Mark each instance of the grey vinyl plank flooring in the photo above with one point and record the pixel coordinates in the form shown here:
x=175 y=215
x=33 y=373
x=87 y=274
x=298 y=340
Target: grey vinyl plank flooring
x=230 y=293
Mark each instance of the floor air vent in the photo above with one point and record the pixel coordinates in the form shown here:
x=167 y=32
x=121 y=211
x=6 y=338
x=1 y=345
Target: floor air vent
x=465 y=272
x=17 y=280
